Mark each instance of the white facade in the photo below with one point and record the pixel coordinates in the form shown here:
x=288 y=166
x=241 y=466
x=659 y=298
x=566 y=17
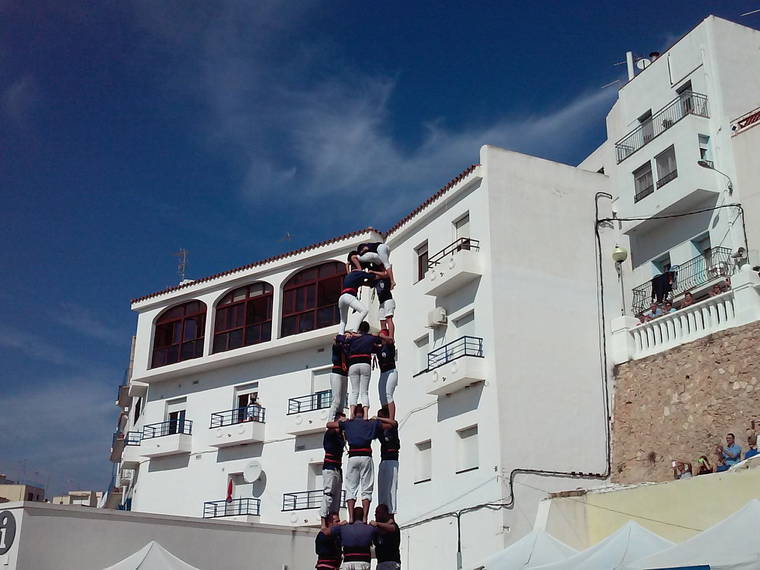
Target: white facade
x=464 y=425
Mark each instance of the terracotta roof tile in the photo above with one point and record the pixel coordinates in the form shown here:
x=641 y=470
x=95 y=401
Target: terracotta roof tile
x=257 y=263
x=395 y=227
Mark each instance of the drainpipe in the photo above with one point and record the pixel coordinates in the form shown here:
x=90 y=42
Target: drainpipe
x=629 y=64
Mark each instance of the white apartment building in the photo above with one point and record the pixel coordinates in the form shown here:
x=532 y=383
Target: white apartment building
x=503 y=380
x=681 y=156
x=498 y=358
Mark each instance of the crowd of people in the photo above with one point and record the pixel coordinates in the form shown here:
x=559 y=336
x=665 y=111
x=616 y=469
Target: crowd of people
x=663 y=306
x=348 y=543
x=724 y=457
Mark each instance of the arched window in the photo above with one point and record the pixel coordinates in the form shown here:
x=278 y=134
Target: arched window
x=179 y=333
x=243 y=317
x=310 y=298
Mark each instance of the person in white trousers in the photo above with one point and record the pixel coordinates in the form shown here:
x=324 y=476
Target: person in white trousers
x=377 y=253
x=361 y=347
x=352 y=282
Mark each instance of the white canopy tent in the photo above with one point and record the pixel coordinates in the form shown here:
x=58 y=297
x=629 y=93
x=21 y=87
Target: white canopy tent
x=729 y=545
x=152 y=556
x=534 y=549
x=629 y=543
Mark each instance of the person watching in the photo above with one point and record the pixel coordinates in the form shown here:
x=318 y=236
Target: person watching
x=732 y=453
x=752 y=443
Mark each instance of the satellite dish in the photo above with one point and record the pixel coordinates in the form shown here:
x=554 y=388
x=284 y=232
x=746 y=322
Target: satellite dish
x=643 y=63
x=252 y=472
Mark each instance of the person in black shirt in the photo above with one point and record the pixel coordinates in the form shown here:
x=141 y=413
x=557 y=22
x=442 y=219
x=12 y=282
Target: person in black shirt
x=388 y=541
x=354 y=280
x=327 y=546
x=387 y=473
x=338 y=376
x=332 y=471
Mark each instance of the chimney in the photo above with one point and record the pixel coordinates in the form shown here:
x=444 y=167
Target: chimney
x=629 y=65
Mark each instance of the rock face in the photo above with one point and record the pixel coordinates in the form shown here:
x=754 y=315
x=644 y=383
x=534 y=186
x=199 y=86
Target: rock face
x=681 y=403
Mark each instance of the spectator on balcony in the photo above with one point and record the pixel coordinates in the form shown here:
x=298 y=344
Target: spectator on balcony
x=377 y=253
x=720 y=461
x=669 y=308
x=333 y=443
x=663 y=284
x=387 y=473
x=352 y=282
x=327 y=546
x=388 y=541
x=338 y=375
x=752 y=444
x=360 y=470
x=705 y=466
x=357 y=538
x=360 y=348
x=654 y=311
x=682 y=470
x=732 y=453
x=688 y=300
x=715 y=290
x=386 y=359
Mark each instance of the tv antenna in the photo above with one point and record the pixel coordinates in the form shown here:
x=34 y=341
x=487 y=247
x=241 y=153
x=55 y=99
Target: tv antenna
x=287 y=237
x=750 y=12
x=182 y=255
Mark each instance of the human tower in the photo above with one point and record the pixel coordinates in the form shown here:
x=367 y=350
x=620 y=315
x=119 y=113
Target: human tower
x=349 y=542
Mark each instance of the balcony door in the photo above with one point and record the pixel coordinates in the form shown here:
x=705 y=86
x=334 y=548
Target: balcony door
x=175 y=415
x=462 y=231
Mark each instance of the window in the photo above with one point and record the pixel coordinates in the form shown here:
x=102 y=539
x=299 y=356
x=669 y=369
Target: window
x=244 y=317
x=175 y=415
x=666 y=166
x=662 y=264
x=424 y=467
x=240 y=487
x=179 y=334
x=705 y=152
x=467 y=452
x=465 y=324
x=310 y=298
x=687 y=101
x=138 y=408
x=421 y=253
x=647 y=127
x=245 y=396
x=643 y=183
x=462 y=227
x=314 y=477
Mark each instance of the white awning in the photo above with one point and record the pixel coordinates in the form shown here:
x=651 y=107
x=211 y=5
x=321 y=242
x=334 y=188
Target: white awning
x=152 y=556
x=534 y=549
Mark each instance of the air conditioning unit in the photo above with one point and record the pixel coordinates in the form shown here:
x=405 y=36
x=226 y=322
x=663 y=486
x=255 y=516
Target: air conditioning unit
x=437 y=317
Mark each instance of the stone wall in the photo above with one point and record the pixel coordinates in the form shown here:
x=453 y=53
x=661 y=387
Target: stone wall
x=681 y=403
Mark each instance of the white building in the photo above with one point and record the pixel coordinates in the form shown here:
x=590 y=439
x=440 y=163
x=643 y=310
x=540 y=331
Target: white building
x=503 y=381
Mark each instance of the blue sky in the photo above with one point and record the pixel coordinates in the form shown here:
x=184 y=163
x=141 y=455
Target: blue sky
x=131 y=129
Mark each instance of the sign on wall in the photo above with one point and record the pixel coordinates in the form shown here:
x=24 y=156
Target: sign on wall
x=747 y=121
x=7 y=531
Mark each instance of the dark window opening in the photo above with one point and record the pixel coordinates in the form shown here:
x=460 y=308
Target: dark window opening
x=179 y=334
x=310 y=298
x=244 y=317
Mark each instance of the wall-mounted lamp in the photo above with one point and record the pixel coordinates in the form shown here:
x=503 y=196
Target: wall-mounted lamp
x=709 y=166
x=619 y=255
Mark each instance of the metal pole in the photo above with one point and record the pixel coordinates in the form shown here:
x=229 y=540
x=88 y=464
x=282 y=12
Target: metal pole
x=459 y=541
x=619 y=267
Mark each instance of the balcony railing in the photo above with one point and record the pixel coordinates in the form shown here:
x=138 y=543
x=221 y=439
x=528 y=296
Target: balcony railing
x=233 y=508
x=685 y=104
x=169 y=427
x=699 y=270
x=310 y=402
x=133 y=438
x=304 y=500
x=467 y=244
x=643 y=193
x=251 y=413
x=672 y=175
x=464 y=346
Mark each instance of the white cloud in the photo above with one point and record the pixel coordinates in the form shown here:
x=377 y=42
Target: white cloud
x=83 y=321
x=34 y=346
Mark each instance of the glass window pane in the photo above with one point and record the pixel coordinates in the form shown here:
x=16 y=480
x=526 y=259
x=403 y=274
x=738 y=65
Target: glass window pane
x=329 y=291
x=163 y=335
x=192 y=307
x=172 y=354
x=191 y=329
x=236 y=338
x=306 y=322
x=300 y=298
x=177 y=332
x=199 y=347
x=237 y=318
x=220 y=342
x=188 y=350
x=159 y=357
x=266 y=331
x=326 y=316
x=221 y=320
x=289 y=302
x=328 y=270
x=311 y=297
x=289 y=325
x=252 y=335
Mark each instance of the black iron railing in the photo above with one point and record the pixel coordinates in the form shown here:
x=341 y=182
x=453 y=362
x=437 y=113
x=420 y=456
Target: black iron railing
x=250 y=413
x=169 y=427
x=310 y=402
x=133 y=438
x=685 y=104
x=464 y=243
x=233 y=508
x=464 y=346
x=304 y=500
x=673 y=174
x=714 y=263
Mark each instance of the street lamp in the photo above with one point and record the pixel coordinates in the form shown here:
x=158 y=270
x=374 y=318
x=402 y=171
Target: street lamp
x=709 y=166
x=619 y=255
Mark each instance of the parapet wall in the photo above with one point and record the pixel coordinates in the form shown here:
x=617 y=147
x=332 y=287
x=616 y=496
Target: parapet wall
x=680 y=404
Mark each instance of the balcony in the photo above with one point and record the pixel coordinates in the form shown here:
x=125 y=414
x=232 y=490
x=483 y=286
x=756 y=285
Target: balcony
x=238 y=426
x=171 y=437
x=138 y=389
x=117 y=447
x=308 y=414
x=452 y=267
x=127 y=475
x=305 y=500
x=455 y=366
x=130 y=458
x=740 y=305
x=699 y=272
x=123 y=399
x=682 y=106
x=242 y=509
